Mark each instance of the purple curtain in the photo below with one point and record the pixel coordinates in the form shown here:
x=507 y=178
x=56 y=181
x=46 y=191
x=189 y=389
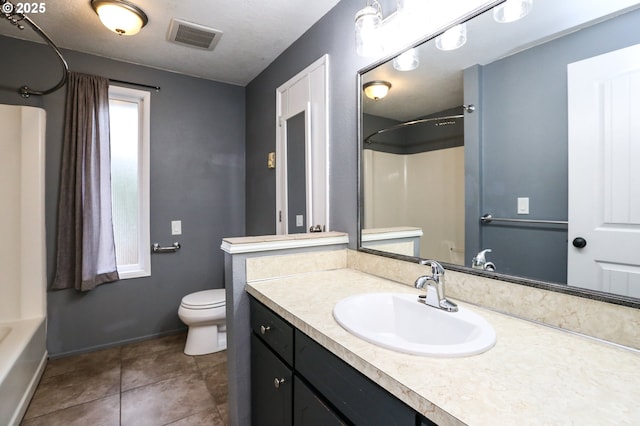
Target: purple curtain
x=86 y=254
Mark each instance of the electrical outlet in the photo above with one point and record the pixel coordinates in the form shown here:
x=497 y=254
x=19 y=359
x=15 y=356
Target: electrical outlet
x=176 y=227
x=299 y=220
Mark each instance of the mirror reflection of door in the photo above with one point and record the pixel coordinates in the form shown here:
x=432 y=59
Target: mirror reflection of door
x=295 y=136
x=604 y=173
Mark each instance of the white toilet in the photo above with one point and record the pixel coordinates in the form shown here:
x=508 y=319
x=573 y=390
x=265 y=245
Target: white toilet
x=204 y=312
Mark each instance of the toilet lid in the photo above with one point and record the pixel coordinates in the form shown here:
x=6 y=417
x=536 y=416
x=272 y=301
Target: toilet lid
x=204 y=299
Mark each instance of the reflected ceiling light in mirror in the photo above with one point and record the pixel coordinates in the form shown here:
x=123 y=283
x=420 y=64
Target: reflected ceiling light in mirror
x=453 y=38
x=368 y=20
x=376 y=89
x=406 y=61
x=512 y=10
x=120 y=16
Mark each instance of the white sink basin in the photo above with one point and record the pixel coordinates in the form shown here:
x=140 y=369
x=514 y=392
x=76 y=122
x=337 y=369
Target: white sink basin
x=399 y=322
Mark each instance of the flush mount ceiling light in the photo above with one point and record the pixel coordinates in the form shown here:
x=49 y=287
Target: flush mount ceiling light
x=368 y=21
x=407 y=61
x=453 y=38
x=512 y=10
x=120 y=16
x=376 y=89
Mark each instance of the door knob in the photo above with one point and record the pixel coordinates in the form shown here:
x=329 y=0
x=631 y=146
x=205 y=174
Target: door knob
x=277 y=382
x=579 y=242
x=264 y=329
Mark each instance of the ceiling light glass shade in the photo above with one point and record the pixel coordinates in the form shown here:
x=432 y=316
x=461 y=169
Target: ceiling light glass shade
x=120 y=16
x=453 y=38
x=376 y=89
x=407 y=61
x=512 y=10
x=368 y=41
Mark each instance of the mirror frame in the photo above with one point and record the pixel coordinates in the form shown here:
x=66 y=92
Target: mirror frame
x=559 y=288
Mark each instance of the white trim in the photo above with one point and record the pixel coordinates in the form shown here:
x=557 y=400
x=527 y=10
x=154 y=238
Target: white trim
x=309 y=165
x=143 y=98
x=285 y=110
x=282 y=244
x=391 y=235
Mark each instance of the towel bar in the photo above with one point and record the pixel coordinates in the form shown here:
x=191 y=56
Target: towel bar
x=487 y=218
x=170 y=249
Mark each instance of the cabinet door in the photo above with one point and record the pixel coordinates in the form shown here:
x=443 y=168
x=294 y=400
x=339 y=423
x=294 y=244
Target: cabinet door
x=356 y=397
x=271 y=387
x=309 y=409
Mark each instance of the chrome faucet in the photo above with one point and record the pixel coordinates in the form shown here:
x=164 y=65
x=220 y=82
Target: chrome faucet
x=480 y=261
x=435 y=288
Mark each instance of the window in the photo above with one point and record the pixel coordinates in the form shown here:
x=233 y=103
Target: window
x=129 y=126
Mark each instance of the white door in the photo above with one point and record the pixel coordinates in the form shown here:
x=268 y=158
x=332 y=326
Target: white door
x=604 y=172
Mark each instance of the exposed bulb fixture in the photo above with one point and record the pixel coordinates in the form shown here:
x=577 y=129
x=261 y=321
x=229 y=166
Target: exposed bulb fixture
x=368 y=21
x=406 y=61
x=512 y=10
x=120 y=16
x=453 y=38
x=376 y=89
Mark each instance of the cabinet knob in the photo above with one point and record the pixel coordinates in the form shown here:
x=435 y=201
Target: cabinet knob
x=264 y=329
x=277 y=382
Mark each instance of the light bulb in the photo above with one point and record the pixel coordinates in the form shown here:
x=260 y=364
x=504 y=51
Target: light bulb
x=453 y=38
x=367 y=35
x=512 y=10
x=407 y=61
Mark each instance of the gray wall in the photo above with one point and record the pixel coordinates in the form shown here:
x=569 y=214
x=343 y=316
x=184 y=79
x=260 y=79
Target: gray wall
x=524 y=146
x=197 y=176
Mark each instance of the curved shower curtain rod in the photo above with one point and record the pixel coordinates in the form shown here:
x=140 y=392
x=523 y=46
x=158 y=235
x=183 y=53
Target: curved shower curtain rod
x=8 y=13
x=467 y=108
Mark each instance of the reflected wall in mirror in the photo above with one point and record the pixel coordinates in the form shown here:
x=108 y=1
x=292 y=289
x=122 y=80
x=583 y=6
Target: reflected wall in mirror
x=509 y=156
x=296 y=194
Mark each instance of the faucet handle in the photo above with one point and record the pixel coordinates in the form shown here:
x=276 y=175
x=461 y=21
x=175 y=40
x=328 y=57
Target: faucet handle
x=436 y=268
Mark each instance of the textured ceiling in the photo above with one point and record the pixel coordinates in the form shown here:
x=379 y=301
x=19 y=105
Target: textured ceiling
x=255 y=33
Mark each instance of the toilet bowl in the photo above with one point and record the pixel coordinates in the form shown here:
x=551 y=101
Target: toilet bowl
x=204 y=312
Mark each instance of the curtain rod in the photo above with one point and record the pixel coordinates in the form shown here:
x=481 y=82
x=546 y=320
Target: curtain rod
x=148 y=86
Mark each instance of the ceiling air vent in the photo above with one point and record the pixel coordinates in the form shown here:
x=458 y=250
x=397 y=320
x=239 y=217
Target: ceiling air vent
x=193 y=35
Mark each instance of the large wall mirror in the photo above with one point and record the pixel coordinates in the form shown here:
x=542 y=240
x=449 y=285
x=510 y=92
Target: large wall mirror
x=532 y=122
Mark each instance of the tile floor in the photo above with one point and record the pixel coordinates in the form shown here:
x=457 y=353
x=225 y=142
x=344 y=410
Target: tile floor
x=147 y=383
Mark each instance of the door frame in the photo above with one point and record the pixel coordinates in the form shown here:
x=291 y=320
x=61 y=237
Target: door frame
x=306 y=91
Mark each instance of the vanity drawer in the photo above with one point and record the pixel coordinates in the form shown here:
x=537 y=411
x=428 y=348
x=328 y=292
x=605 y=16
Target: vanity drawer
x=359 y=399
x=273 y=330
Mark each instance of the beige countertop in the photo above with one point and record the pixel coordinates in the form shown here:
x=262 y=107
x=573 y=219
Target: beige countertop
x=535 y=375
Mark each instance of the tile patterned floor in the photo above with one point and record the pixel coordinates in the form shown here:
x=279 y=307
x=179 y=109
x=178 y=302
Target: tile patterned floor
x=148 y=383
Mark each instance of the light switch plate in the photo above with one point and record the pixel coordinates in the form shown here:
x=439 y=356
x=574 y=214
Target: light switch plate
x=176 y=227
x=299 y=220
x=523 y=205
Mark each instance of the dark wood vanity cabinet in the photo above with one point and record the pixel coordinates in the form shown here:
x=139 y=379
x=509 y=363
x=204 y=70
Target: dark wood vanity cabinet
x=294 y=380
x=271 y=387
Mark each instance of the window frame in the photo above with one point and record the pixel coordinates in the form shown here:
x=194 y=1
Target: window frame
x=143 y=99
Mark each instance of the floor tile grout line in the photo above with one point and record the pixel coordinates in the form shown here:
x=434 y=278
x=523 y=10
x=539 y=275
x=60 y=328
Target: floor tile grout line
x=202 y=368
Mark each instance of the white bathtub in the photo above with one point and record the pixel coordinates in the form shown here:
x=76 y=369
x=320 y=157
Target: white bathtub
x=23 y=310
x=22 y=360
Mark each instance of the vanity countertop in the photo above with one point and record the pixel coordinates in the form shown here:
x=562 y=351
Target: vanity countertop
x=534 y=375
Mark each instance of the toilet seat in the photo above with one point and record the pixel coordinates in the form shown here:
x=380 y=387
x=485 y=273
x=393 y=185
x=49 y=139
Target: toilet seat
x=206 y=299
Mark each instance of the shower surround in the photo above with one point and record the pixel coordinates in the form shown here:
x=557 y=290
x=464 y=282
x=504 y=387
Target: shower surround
x=23 y=351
